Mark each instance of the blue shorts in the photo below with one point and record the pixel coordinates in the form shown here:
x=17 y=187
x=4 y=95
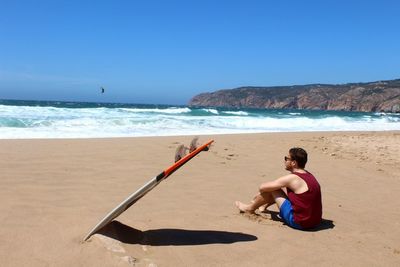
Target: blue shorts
x=286 y=213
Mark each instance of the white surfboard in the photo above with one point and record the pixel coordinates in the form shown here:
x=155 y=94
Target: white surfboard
x=129 y=201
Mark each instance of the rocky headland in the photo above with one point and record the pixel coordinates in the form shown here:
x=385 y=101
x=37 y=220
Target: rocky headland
x=380 y=96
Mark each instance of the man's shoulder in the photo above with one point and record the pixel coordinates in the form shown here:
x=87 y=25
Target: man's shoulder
x=300 y=173
x=289 y=177
x=297 y=183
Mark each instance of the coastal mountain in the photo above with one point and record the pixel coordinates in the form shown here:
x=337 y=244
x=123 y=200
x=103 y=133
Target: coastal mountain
x=380 y=96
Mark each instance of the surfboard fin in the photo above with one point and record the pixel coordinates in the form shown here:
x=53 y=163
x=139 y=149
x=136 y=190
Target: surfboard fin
x=193 y=145
x=180 y=152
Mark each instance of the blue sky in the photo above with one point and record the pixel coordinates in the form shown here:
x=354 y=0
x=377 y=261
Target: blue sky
x=165 y=52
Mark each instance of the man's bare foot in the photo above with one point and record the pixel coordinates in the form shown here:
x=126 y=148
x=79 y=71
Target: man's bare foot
x=243 y=207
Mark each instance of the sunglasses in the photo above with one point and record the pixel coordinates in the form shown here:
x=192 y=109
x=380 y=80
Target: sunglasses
x=287 y=158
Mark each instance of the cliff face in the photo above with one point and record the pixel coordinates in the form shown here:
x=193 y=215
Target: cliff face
x=382 y=96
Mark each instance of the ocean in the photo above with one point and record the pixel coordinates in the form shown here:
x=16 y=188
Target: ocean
x=53 y=119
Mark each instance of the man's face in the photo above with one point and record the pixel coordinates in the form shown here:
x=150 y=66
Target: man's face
x=289 y=163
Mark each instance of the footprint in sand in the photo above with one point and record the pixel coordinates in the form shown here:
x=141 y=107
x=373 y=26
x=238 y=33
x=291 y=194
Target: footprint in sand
x=231 y=156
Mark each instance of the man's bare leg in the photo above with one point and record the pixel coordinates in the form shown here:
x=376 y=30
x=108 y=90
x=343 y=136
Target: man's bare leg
x=263 y=200
x=258 y=201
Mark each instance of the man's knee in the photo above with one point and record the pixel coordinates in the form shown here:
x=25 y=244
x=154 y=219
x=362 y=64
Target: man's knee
x=279 y=197
x=278 y=193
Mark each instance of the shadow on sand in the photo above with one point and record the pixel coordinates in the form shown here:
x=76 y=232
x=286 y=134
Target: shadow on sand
x=324 y=225
x=171 y=237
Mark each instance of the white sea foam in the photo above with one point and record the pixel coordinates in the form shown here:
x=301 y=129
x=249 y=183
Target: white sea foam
x=237 y=113
x=211 y=110
x=52 y=122
x=157 y=110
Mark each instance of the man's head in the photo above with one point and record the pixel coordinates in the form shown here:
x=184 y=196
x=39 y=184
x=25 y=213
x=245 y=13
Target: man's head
x=297 y=158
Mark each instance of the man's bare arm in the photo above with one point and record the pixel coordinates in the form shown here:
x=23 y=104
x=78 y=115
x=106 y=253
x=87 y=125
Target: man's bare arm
x=279 y=183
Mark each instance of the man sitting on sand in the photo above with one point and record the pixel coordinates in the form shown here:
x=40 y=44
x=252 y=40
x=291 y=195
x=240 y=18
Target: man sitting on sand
x=297 y=195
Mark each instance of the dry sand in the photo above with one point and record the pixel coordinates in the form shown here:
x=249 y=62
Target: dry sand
x=52 y=192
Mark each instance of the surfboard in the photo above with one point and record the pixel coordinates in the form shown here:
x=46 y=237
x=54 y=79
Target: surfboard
x=133 y=198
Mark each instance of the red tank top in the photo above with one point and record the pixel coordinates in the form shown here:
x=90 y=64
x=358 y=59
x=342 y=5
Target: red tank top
x=307 y=206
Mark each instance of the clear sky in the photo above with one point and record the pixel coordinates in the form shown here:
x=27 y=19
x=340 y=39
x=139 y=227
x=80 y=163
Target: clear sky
x=166 y=51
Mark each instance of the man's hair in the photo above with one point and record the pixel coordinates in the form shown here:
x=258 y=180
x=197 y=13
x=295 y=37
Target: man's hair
x=299 y=155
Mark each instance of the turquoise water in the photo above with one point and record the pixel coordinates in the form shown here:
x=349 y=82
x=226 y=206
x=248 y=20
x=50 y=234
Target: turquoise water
x=53 y=119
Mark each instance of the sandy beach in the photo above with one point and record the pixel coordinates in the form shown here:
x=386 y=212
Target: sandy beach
x=52 y=192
